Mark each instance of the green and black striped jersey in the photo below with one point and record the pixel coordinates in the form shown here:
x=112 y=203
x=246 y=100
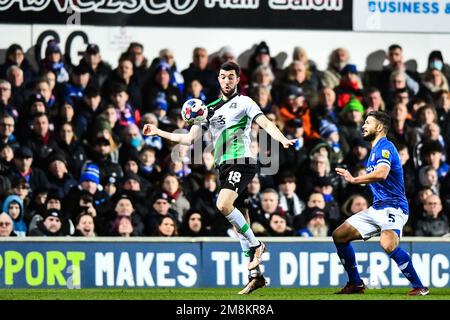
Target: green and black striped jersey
x=230 y=124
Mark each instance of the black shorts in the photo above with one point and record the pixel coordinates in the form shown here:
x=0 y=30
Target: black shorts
x=236 y=177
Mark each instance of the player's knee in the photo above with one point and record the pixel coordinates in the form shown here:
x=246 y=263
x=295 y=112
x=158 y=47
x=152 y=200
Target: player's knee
x=388 y=246
x=223 y=207
x=338 y=236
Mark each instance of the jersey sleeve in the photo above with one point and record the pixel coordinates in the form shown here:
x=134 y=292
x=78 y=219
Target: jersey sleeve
x=384 y=155
x=252 y=109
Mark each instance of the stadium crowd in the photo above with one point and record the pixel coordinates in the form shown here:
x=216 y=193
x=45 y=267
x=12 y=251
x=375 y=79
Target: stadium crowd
x=74 y=162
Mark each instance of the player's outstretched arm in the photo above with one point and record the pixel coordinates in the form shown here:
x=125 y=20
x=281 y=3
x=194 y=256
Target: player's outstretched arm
x=183 y=138
x=379 y=174
x=274 y=132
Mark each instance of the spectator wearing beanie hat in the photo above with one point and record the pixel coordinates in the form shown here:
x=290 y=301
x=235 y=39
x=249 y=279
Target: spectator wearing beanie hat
x=68 y=113
x=136 y=187
x=327 y=129
x=317 y=224
x=37 y=103
x=50 y=226
x=54 y=61
x=330 y=133
x=261 y=56
x=58 y=174
x=436 y=61
x=161 y=206
x=352 y=121
x=350 y=85
x=90 y=173
x=160 y=87
x=89 y=181
x=354 y=104
x=52 y=201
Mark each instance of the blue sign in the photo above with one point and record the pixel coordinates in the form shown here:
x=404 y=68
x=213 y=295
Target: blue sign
x=207 y=264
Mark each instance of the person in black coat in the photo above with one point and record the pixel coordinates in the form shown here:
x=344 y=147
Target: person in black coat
x=72 y=149
x=124 y=74
x=199 y=70
x=41 y=140
x=15 y=56
x=58 y=175
x=89 y=181
x=193 y=225
x=22 y=169
x=50 y=226
x=98 y=69
x=101 y=155
x=160 y=207
x=158 y=92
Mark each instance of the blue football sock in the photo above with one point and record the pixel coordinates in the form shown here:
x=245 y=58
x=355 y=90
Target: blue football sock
x=403 y=260
x=347 y=255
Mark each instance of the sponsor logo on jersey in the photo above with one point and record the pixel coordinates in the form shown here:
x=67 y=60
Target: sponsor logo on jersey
x=385 y=154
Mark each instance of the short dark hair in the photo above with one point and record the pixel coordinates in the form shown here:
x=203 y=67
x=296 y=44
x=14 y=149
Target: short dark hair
x=395 y=47
x=230 y=66
x=401 y=90
x=13 y=48
x=383 y=118
x=430 y=147
x=40 y=114
x=119 y=87
x=287 y=176
x=401 y=146
x=371 y=90
x=126 y=56
x=135 y=45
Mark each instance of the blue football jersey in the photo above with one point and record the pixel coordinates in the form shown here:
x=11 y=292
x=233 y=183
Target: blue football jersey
x=389 y=193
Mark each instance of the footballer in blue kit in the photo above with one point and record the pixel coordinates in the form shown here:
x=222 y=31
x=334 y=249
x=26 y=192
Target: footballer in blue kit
x=388 y=213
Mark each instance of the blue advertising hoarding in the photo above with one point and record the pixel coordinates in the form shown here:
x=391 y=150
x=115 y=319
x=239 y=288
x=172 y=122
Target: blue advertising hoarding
x=138 y=264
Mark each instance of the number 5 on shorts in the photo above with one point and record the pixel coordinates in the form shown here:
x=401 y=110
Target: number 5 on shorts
x=391 y=217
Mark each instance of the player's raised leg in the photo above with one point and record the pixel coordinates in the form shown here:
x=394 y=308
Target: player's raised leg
x=342 y=237
x=256 y=279
x=225 y=204
x=389 y=241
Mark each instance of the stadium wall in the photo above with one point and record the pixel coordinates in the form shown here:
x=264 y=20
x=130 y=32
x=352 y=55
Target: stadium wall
x=367 y=48
x=206 y=262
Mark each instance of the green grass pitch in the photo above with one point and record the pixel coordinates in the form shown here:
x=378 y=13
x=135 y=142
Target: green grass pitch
x=215 y=294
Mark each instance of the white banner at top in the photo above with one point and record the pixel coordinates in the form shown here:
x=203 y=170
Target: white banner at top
x=402 y=15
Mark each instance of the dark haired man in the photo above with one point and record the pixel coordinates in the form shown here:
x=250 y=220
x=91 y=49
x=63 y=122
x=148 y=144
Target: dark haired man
x=388 y=214
x=230 y=118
